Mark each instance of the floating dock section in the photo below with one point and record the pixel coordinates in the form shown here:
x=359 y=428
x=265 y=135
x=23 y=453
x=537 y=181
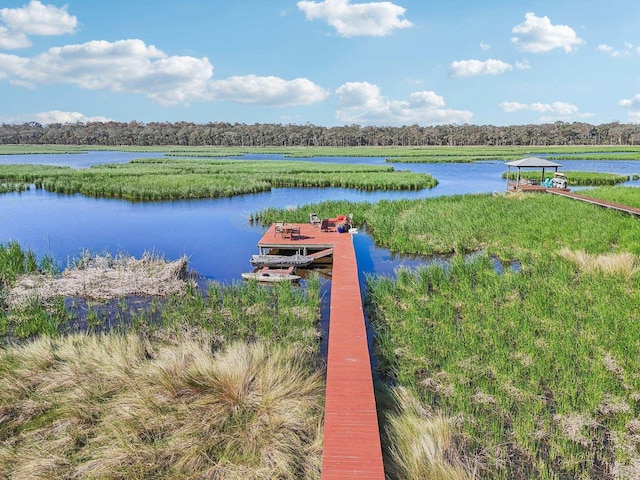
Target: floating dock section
x=352 y=448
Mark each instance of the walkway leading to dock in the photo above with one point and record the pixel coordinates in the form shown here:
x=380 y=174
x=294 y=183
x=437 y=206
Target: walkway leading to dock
x=352 y=447
x=595 y=201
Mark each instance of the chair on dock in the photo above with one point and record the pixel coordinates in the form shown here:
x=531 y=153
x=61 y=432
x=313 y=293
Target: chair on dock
x=324 y=225
x=314 y=220
x=279 y=228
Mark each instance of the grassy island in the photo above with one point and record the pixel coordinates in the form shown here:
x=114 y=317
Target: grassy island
x=162 y=179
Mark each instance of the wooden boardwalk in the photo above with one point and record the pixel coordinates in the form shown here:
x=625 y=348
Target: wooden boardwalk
x=352 y=447
x=595 y=201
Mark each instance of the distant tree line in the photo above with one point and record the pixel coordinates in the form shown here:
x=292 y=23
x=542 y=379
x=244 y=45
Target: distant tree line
x=291 y=135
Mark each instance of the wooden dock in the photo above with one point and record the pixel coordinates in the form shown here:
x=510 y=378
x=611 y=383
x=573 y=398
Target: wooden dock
x=352 y=447
x=596 y=201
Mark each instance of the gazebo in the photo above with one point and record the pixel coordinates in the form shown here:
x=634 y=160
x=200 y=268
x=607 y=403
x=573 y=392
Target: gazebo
x=528 y=163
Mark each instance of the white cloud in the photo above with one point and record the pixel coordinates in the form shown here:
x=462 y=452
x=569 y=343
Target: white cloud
x=133 y=67
x=351 y=20
x=633 y=104
x=538 y=35
x=485 y=46
x=469 y=68
x=611 y=51
x=122 y=66
x=510 y=107
x=10 y=40
x=38 y=19
x=363 y=103
x=523 y=65
x=554 y=111
x=57 y=116
x=268 y=90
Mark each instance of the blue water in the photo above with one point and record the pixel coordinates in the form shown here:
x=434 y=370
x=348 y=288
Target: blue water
x=214 y=234
x=77 y=160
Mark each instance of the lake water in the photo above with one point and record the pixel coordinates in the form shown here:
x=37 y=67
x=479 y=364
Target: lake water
x=215 y=234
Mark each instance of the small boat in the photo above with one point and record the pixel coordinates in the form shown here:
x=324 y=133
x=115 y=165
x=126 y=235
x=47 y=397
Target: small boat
x=296 y=260
x=272 y=275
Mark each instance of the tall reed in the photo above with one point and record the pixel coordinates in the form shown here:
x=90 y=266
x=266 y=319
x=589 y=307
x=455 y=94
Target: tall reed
x=416 y=442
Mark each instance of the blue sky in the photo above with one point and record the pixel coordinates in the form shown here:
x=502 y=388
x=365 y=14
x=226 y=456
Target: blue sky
x=326 y=62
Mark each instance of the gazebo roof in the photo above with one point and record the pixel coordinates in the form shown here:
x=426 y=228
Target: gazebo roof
x=533 y=162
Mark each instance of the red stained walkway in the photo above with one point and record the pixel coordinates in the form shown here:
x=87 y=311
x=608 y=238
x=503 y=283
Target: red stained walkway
x=351 y=437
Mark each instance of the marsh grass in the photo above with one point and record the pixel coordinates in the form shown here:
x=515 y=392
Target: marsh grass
x=126 y=406
x=417 y=444
x=161 y=179
x=41 y=149
x=576 y=178
x=225 y=385
x=13 y=187
x=35 y=304
x=537 y=367
x=14 y=261
x=283 y=313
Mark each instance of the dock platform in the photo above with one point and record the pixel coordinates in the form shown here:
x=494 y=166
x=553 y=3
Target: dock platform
x=352 y=448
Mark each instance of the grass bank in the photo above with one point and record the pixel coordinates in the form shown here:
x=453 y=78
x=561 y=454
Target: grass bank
x=160 y=179
x=392 y=154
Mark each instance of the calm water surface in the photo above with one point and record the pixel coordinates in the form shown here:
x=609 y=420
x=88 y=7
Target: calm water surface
x=214 y=233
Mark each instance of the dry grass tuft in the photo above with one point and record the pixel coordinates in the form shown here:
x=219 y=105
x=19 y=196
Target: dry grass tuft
x=572 y=425
x=122 y=407
x=103 y=278
x=420 y=444
x=623 y=263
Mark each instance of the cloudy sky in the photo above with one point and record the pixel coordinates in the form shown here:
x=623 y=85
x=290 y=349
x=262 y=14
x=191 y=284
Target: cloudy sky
x=327 y=62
